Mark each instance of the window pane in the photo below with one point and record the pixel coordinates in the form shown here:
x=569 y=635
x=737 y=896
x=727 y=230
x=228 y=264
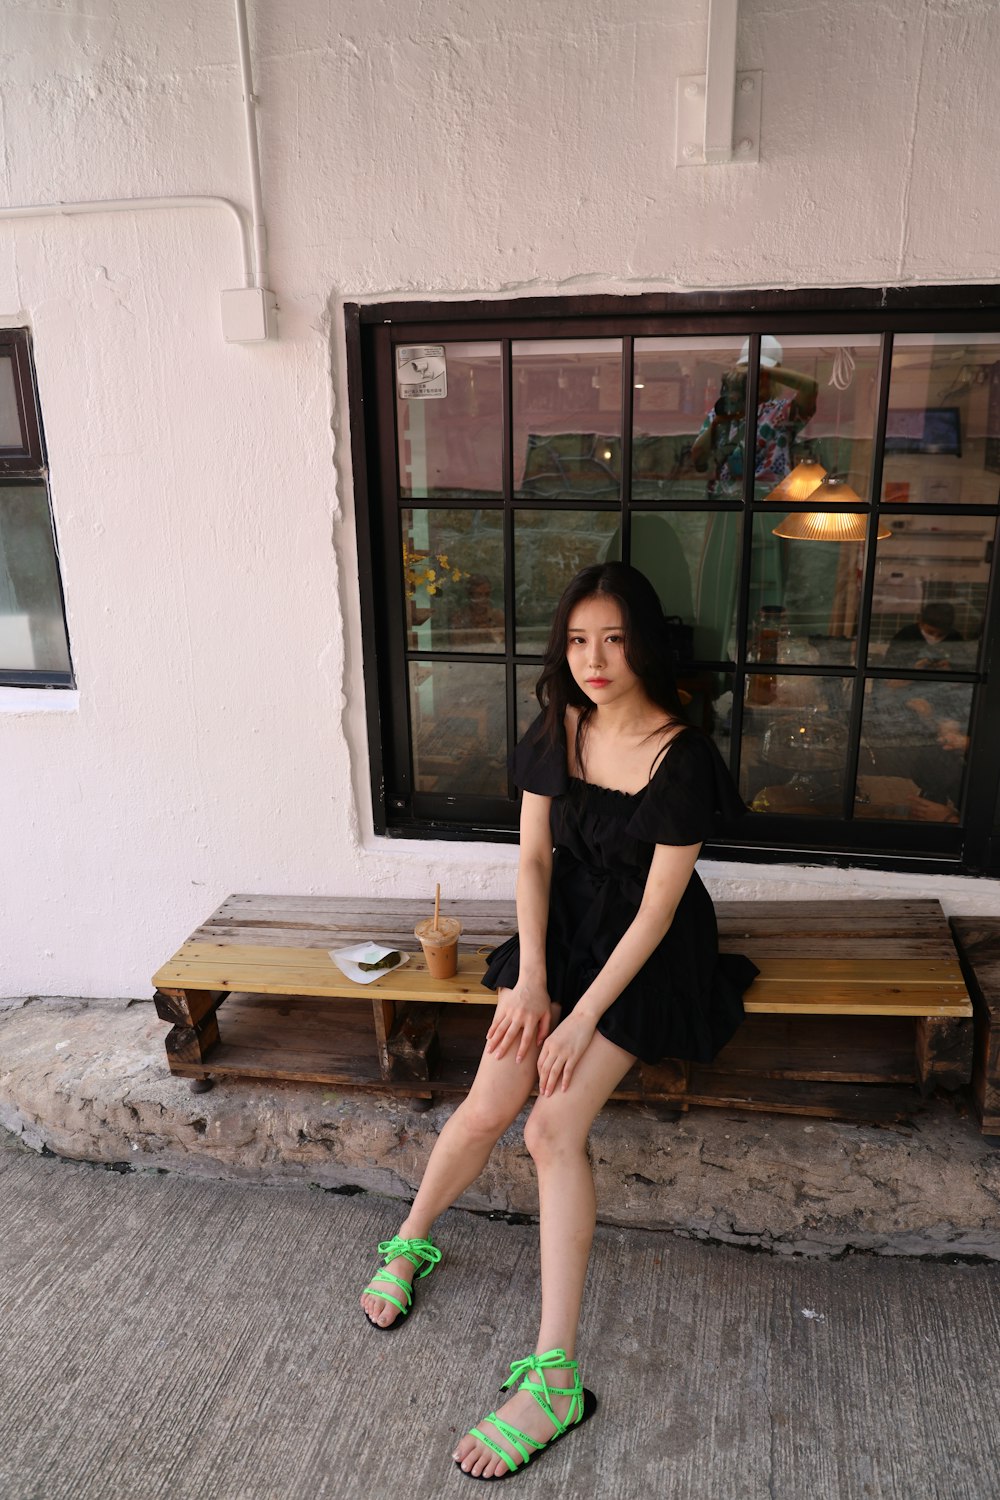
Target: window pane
x=527 y=703
x=550 y=546
x=451 y=445
x=931 y=582
x=567 y=402
x=942 y=441
x=816 y=405
x=914 y=739
x=677 y=382
x=692 y=559
x=804 y=595
x=708 y=703
x=459 y=723
x=795 y=744
x=11 y=435
x=32 y=632
x=453 y=575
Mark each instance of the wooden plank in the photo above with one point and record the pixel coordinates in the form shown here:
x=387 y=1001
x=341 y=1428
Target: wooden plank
x=904 y=971
x=829 y=999
x=844 y=986
x=861 y=1103
x=872 y=1049
x=978 y=941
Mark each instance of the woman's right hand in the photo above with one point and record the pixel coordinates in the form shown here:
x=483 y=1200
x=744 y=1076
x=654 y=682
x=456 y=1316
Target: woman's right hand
x=525 y=1012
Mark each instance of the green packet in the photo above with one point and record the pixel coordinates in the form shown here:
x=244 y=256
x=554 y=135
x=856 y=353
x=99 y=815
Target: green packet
x=387 y=961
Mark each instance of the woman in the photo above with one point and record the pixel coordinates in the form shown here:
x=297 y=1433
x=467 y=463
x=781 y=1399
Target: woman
x=615 y=959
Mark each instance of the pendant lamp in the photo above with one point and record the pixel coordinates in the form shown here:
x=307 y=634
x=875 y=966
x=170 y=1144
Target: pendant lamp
x=800 y=483
x=829 y=526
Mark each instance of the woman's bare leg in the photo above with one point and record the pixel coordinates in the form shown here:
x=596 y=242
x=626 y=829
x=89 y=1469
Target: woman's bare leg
x=556 y=1135
x=501 y=1088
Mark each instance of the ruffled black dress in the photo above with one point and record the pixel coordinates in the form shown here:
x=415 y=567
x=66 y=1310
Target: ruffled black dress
x=687 y=999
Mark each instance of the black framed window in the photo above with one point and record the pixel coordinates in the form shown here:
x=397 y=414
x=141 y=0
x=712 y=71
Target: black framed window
x=812 y=483
x=34 y=646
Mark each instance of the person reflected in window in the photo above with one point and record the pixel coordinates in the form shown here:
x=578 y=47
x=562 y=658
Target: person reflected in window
x=922 y=644
x=781 y=416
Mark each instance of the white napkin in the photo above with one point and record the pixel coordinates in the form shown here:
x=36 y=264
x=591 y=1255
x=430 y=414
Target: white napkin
x=347 y=960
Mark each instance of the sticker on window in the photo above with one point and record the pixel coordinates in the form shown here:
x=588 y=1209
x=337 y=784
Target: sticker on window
x=421 y=374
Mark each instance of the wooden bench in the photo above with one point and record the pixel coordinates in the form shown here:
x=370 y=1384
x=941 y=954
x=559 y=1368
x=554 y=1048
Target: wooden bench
x=978 y=943
x=860 y=1010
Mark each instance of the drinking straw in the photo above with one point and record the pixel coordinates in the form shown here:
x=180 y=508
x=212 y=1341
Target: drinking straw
x=437 y=905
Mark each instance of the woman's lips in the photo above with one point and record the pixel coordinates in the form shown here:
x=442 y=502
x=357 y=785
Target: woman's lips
x=598 y=681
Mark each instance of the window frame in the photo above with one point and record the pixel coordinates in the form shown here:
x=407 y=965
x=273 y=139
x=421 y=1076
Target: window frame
x=26 y=464
x=373 y=329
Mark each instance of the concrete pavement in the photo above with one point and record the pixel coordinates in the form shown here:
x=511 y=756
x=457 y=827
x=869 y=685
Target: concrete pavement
x=200 y=1340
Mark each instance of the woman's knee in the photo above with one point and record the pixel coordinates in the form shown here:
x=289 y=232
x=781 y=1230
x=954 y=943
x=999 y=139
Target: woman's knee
x=552 y=1132
x=485 y=1118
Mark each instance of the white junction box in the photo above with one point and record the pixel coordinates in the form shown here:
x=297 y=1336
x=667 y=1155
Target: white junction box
x=249 y=315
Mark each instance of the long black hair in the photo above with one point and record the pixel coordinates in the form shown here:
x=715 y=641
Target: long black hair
x=646 y=650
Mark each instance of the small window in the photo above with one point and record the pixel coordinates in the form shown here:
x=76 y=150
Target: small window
x=34 y=648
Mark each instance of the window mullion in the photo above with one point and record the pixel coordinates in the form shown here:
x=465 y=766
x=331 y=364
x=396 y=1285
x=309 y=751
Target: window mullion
x=746 y=554
x=868 y=583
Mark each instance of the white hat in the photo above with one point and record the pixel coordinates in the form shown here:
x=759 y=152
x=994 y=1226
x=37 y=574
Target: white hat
x=770 y=352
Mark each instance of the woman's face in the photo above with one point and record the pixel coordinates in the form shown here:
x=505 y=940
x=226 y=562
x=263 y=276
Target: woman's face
x=595 y=651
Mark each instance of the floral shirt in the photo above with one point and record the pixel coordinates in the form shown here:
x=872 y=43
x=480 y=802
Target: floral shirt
x=779 y=423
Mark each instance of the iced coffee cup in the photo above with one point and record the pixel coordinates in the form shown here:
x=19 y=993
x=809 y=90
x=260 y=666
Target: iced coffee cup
x=440 y=945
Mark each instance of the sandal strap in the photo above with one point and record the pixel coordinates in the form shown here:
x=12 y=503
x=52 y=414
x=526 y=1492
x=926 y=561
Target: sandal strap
x=415 y=1251
x=514 y=1436
x=376 y=1291
x=536 y=1364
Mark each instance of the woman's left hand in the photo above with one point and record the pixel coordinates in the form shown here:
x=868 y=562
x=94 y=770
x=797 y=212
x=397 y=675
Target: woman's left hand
x=562 y=1051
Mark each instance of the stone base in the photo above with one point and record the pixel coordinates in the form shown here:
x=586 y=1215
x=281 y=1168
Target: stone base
x=88 y=1080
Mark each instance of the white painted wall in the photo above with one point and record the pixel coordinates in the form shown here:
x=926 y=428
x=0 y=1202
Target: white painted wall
x=202 y=491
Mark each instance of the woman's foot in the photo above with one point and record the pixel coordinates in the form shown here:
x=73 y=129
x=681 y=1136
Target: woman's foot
x=379 y=1309
x=389 y=1294
x=523 y=1412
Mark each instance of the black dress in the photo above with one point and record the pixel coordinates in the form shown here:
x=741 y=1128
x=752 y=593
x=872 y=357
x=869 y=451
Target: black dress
x=687 y=999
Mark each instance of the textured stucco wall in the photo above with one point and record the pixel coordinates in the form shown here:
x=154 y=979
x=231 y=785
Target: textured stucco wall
x=203 y=492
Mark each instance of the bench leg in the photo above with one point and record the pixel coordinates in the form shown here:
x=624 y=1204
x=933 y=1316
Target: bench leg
x=667 y=1081
x=196 y=1028
x=384 y=1013
x=413 y=1041
x=192 y=1044
x=943 y=1052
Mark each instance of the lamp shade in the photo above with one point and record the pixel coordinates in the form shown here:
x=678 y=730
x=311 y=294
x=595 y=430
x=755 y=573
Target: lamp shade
x=829 y=525
x=800 y=483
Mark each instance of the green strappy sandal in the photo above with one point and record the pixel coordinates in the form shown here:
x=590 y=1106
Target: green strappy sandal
x=583 y=1404
x=419 y=1253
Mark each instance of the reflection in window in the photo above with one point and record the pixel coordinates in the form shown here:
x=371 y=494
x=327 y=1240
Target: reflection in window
x=451 y=445
x=692 y=559
x=550 y=547
x=676 y=381
x=804 y=597
x=32 y=631
x=459 y=728
x=795 y=744
x=914 y=739
x=931 y=586
x=453 y=579
x=567 y=403
x=942 y=438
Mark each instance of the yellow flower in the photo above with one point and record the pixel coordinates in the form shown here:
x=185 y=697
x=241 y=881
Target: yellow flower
x=431 y=589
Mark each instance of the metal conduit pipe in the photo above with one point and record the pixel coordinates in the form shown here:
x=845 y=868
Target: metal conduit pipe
x=122 y=205
x=242 y=321
x=253 y=155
